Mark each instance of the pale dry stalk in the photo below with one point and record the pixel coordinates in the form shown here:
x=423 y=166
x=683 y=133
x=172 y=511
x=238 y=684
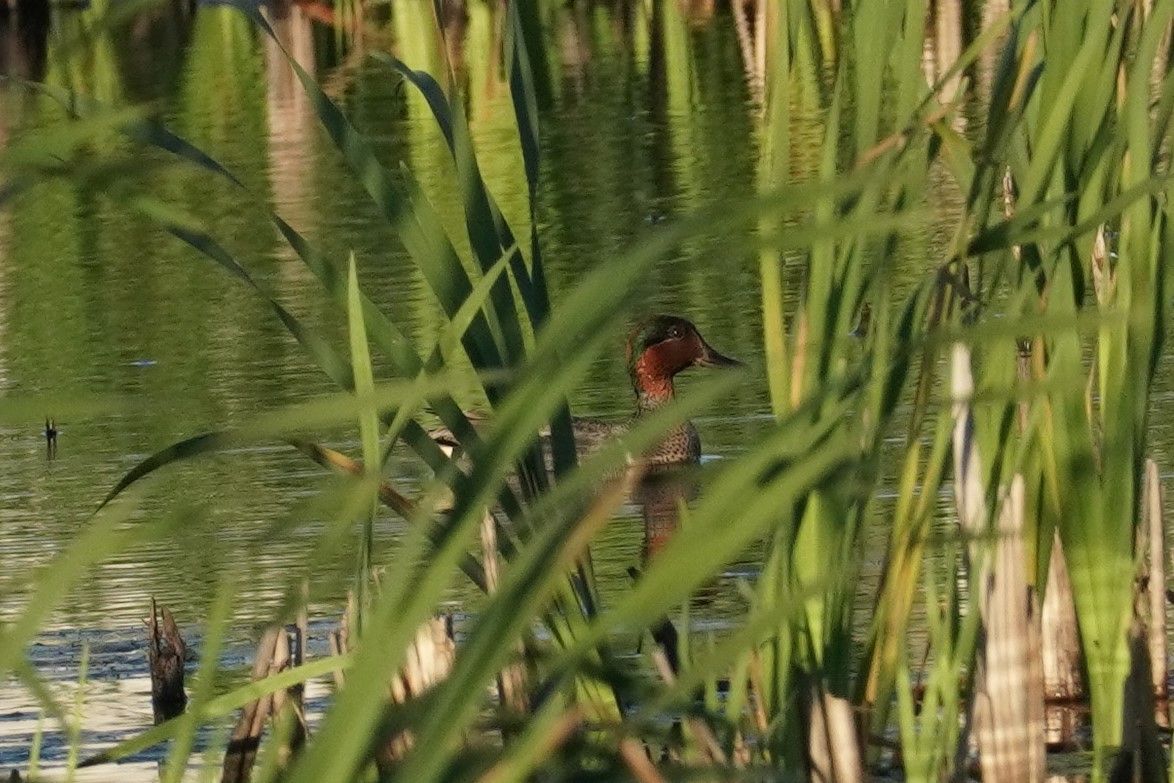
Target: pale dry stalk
x=1008 y=695
x=511 y=681
x=246 y=736
x=833 y=748
x=428 y=661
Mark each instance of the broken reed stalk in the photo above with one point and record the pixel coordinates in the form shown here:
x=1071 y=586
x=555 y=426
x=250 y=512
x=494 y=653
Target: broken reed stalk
x=429 y=660
x=636 y=758
x=1007 y=703
x=340 y=640
x=511 y=681
x=286 y=708
x=246 y=736
x=302 y=629
x=1060 y=650
x=833 y=741
x=1058 y=632
x=165 y=655
x=289 y=711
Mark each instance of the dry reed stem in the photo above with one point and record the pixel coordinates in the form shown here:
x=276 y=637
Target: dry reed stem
x=274 y=655
x=241 y=754
x=329 y=458
x=302 y=628
x=429 y=660
x=280 y=661
x=299 y=654
x=761 y=26
x=968 y=490
x=899 y=139
x=1008 y=698
x=1009 y=702
x=288 y=708
x=511 y=681
x=756 y=687
x=340 y=640
x=405 y=507
x=1102 y=276
x=833 y=747
x=741 y=751
x=947 y=48
x=1060 y=648
x=336 y=649
x=641 y=767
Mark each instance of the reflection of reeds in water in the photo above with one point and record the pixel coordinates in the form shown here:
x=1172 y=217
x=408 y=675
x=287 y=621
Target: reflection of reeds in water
x=750 y=24
x=291 y=122
x=574 y=48
x=452 y=17
x=943 y=45
x=698 y=13
x=991 y=13
x=5 y=256
x=24 y=40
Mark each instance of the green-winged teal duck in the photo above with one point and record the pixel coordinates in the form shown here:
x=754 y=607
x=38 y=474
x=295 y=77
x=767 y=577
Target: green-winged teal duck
x=658 y=348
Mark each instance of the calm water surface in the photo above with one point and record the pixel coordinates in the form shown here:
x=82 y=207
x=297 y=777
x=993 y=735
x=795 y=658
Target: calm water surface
x=134 y=341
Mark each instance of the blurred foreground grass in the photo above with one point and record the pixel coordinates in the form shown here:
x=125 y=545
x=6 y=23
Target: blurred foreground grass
x=1017 y=375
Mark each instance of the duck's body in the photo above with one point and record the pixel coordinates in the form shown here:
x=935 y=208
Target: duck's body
x=658 y=349
x=680 y=444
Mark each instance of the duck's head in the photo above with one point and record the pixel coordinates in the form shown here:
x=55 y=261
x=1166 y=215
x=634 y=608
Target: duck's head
x=662 y=346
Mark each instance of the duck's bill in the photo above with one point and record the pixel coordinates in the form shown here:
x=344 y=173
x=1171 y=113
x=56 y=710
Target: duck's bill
x=711 y=358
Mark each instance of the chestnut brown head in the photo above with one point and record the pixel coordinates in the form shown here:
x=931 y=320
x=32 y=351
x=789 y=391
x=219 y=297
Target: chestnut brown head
x=664 y=345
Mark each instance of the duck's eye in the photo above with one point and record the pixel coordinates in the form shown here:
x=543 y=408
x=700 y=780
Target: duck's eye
x=676 y=333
